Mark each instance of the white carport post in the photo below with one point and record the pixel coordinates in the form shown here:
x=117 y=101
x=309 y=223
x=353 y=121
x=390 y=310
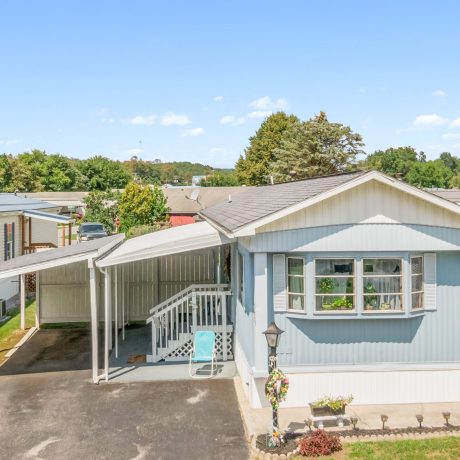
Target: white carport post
x=23 y=300
x=94 y=322
x=123 y=302
x=107 y=320
x=115 y=328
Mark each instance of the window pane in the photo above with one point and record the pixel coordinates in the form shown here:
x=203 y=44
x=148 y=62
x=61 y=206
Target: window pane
x=383 y=302
x=335 y=285
x=390 y=284
x=295 y=266
x=330 y=302
x=296 y=302
x=416 y=265
x=382 y=266
x=417 y=300
x=295 y=284
x=417 y=283
x=334 y=266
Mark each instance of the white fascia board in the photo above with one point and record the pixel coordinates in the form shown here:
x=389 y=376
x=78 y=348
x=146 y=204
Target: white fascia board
x=45 y=265
x=250 y=230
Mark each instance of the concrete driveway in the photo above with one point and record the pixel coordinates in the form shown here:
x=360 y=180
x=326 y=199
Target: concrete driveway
x=50 y=410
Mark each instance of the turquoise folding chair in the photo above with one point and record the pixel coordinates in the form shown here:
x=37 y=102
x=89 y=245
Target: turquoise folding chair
x=204 y=351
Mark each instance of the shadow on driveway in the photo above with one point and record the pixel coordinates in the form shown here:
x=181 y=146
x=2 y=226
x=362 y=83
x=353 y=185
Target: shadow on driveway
x=61 y=415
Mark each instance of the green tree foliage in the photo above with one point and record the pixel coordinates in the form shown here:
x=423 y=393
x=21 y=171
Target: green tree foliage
x=450 y=161
x=220 y=179
x=254 y=168
x=315 y=147
x=142 y=205
x=429 y=174
x=102 y=207
x=393 y=161
x=100 y=173
x=6 y=173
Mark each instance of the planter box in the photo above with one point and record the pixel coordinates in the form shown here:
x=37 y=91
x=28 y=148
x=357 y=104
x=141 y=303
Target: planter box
x=325 y=411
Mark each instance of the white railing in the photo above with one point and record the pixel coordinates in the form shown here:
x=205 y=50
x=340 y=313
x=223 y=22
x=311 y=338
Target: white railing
x=198 y=307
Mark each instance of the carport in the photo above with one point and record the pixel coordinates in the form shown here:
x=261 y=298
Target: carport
x=82 y=256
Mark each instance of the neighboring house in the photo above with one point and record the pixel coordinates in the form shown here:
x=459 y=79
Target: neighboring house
x=450 y=194
x=66 y=202
x=26 y=225
x=360 y=270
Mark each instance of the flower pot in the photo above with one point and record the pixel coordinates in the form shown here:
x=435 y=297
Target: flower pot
x=320 y=411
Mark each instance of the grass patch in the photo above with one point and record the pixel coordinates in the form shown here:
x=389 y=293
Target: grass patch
x=11 y=332
x=447 y=448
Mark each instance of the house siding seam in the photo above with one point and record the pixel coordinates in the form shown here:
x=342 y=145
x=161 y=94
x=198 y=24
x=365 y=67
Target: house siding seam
x=431 y=338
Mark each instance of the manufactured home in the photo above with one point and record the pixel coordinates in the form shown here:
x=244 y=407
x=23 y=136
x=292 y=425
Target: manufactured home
x=360 y=270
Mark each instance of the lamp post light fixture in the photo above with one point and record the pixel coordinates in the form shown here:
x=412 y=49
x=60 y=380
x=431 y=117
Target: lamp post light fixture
x=309 y=423
x=419 y=418
x=354 y=421
x=446 y=416
x=273 y=335
x=384 y=419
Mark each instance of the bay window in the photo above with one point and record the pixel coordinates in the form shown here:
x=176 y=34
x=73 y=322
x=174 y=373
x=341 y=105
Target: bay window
x=382 y=284
x=334 y=284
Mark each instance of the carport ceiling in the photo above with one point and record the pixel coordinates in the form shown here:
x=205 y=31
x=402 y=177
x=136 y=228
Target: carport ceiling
x=60 y=256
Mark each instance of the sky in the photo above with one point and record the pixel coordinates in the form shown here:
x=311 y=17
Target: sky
x=193 y=80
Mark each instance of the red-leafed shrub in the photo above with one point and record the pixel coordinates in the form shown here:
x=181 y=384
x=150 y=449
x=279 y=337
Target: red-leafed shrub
x=319 y=443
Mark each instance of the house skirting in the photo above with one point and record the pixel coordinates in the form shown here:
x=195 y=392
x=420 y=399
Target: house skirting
x=398 y=384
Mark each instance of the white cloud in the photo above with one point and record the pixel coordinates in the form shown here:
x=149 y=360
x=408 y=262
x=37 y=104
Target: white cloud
x=450 y=136
x=259 y=114
x=439 y=93
x=265 y=103
x=172 y=119
x=231 y=120
x=430 y=120
x=134 y=152
x=193 y=132
x=219 y=98
x=142 y=120
x=455 y=123
x=10 y=141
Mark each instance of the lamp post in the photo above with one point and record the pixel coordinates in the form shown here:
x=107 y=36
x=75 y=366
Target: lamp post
x=273 y=335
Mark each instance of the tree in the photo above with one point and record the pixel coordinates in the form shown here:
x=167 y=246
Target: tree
x=315 y=147
x=254 y=168
x=429 y=174
x=100 y=173
x=102 y=207
x=450 y=161
x=220 y=179
x=60 y=174
x=394 y=161
x=6 y=173
x=142 y=205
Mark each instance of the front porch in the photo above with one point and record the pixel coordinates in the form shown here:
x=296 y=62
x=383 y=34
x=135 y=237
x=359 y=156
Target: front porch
x=138 y=344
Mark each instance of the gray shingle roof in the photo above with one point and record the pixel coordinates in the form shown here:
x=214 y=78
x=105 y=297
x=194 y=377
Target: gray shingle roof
x=259 y=202
x=31 y=260
x=11 y=202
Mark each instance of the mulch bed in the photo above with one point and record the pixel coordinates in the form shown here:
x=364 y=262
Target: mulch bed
x=289 y=446
x=293 y=438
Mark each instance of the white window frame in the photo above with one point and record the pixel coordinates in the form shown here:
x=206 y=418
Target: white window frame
x=9 y=242
x=240 y=278
x=354 y=295
x=403 y=285
x=288 y=293
x=422 y=275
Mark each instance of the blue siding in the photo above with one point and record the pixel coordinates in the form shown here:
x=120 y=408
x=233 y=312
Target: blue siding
x=433 y=337
x=244 y=317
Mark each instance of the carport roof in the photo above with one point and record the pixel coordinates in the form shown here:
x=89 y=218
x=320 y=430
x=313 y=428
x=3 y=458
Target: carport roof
x=60 y=256
x=173 y=240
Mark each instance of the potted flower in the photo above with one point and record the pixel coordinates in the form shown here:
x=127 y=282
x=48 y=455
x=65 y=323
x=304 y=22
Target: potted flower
x=370 y=296
x=330 y=406
x=326 y=286
x=342 y=303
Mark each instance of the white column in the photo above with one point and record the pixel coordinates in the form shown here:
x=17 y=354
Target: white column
x=23 y=300
x=94 y=324
x=123 y=301
x=260 y=312
x=108 y=328
x=115 y=328
x=37 y=300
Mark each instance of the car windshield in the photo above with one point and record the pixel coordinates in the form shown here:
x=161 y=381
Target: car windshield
x=92 y=228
